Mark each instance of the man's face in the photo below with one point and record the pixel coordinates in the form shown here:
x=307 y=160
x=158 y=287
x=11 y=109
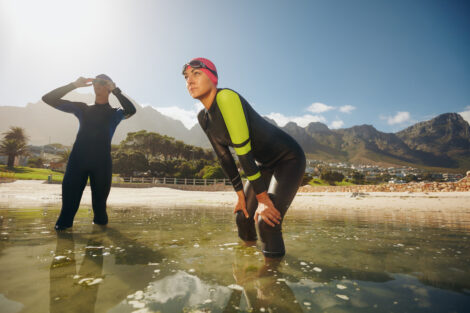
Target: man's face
x=101 y=86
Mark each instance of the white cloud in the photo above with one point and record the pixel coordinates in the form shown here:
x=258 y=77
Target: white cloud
x=347 y=108
x=336 y=124
x=399 y=118
x=318 y=107
x=302 y=121
x=187 y=117
x=466 y=114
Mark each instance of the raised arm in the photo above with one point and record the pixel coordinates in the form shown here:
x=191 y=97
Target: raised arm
x=129 y=108
x=54 y=98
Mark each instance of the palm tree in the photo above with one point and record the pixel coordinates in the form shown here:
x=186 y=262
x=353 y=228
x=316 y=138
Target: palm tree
x=13 y=144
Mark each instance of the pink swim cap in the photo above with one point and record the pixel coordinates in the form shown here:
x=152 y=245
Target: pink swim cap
x=210 y=65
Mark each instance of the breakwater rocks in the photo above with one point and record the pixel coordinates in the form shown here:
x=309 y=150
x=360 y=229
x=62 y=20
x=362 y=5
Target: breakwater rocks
x=460 y=186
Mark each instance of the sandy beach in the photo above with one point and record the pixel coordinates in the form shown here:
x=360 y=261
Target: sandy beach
x=25 y=193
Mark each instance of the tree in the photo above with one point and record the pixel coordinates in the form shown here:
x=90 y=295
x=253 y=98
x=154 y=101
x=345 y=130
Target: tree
x=385 y=177
x=126 y=164
x=358 y=178
x=210 y=171
x=138 y=162
x=179 y=149
x=185 y=170
x=64 y=156
x=306 y=179
x=13 y=144
x=410 y=178
x=332 y=177
x=200 y=163
x=37 y=162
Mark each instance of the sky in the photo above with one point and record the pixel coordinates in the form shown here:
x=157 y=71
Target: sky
x=389 y=64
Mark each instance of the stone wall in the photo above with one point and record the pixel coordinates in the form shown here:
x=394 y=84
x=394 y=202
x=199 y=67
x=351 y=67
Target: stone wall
x=462 y=185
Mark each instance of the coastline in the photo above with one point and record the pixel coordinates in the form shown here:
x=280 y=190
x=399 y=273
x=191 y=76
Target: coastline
x=37 y=193
x=430 y=209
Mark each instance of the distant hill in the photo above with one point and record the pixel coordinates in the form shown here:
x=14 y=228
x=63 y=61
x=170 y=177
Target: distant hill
x=447 y=135
x=442 y=142
x=45 y=125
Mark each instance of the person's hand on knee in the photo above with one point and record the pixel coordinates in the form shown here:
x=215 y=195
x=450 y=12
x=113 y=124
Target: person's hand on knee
x=241 y=204
x=266 y=210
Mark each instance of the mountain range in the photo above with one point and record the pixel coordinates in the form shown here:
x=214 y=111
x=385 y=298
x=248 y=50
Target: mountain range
x=44 y=124
x=442 y=142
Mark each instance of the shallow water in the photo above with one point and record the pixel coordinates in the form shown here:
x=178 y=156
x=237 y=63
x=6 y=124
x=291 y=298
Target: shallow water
x=190 y=260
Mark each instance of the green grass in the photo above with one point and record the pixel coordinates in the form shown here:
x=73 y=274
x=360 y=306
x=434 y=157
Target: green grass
x=320 y=182
x=29 y=173
x=344 y=183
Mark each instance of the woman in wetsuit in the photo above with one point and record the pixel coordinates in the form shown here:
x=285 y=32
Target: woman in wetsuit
x=91 y=152
x=273 y=161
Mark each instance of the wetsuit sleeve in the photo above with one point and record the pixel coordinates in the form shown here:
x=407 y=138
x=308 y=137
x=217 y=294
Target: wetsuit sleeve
x=225 y=157
x=234 y=117
x=54 y=99
x=129 y=108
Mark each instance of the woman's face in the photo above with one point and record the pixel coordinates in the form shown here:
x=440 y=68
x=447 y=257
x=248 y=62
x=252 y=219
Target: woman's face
x=197 y=82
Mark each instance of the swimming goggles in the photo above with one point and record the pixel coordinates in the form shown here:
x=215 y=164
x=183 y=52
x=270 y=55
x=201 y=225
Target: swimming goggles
x=100 y=81
x=198 y=64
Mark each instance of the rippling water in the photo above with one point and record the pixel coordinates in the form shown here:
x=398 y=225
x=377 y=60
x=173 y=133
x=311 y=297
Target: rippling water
x=190 y=260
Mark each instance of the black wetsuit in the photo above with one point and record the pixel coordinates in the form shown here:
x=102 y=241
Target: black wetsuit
x=271 y=159
x=91 y=153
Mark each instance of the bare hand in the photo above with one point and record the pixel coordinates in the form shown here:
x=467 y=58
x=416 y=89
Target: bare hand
x=83 y=82
x=266 y=210
x=111 y=85
x=241 y=204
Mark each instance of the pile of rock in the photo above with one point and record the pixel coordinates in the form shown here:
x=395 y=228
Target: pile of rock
x=462 y=185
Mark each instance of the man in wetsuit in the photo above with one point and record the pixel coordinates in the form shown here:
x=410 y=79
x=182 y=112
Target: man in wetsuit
x=273 y=161
x=91 y=152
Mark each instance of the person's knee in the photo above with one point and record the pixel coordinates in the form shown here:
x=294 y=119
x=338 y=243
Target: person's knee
x=265 y=228
x=246 y=227
x=241 y=219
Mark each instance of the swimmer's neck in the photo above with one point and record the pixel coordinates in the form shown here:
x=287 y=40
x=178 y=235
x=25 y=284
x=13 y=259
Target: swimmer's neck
x=102 y=99
x=208 y=98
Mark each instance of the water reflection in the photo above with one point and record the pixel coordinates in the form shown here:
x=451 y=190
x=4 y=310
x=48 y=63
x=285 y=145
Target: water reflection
x=190 y=260
x=258 y=287
x=76 y=290
x=72 y=291
x=263 y=287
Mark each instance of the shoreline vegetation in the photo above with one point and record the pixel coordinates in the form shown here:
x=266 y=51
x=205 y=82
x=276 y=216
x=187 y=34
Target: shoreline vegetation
x=315 y=185
x=28 y=173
